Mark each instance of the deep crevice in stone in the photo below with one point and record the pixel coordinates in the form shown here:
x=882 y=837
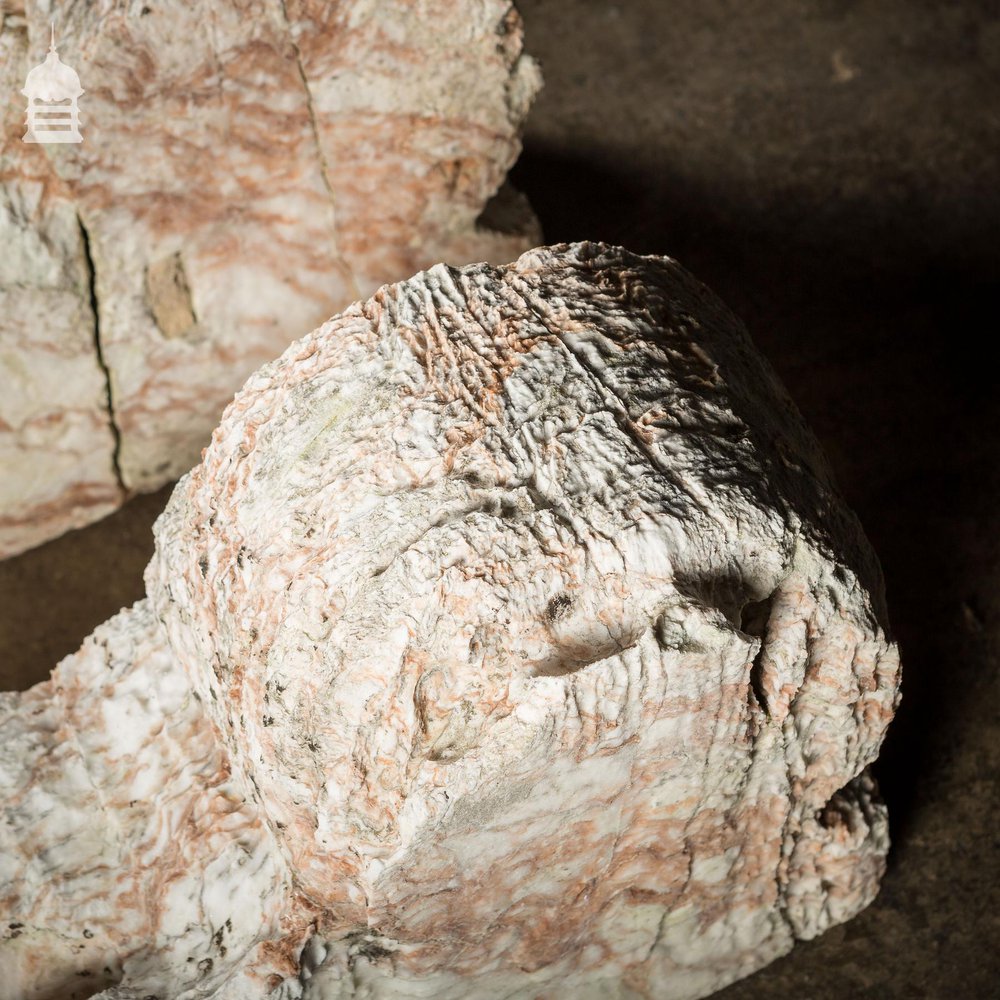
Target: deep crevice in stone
x=99 y=354
x=753 y=622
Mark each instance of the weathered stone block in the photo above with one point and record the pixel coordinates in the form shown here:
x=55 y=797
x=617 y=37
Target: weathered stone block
x=510 y=640
x=246 y=171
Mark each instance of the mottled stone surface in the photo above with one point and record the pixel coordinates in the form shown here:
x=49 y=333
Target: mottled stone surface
x=510 y=640
x=246 y=171
x=56 y=444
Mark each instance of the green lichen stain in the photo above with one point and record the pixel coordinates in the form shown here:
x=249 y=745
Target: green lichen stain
x=341 y=410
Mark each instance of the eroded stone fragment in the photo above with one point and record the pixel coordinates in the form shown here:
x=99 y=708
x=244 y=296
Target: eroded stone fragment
x=246 y=171
x=510 y=640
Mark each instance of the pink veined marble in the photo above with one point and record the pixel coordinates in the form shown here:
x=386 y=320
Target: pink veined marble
x=510 y=640
x=246 y=171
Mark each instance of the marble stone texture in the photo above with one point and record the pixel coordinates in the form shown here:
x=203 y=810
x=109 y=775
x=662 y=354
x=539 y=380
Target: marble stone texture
x=246 y=171
x=510 y=640
x=56 y=443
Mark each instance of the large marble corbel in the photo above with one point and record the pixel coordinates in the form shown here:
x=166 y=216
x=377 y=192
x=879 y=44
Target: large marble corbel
x=510 y=640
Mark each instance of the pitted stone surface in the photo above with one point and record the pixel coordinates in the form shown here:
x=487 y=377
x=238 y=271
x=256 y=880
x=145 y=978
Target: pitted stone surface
x=524 y=643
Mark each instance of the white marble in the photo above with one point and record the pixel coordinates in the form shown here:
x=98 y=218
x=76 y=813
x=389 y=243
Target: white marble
x=246 y=171
x=510 y=640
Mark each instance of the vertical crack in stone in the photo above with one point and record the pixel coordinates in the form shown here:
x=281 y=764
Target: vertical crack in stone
x=754 y=620
x=99 y=353
x=324 y=168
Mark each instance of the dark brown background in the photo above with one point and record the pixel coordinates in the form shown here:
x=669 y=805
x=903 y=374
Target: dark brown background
x=832 y=169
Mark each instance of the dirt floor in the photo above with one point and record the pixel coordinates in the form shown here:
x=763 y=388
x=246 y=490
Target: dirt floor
x=832 y=169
